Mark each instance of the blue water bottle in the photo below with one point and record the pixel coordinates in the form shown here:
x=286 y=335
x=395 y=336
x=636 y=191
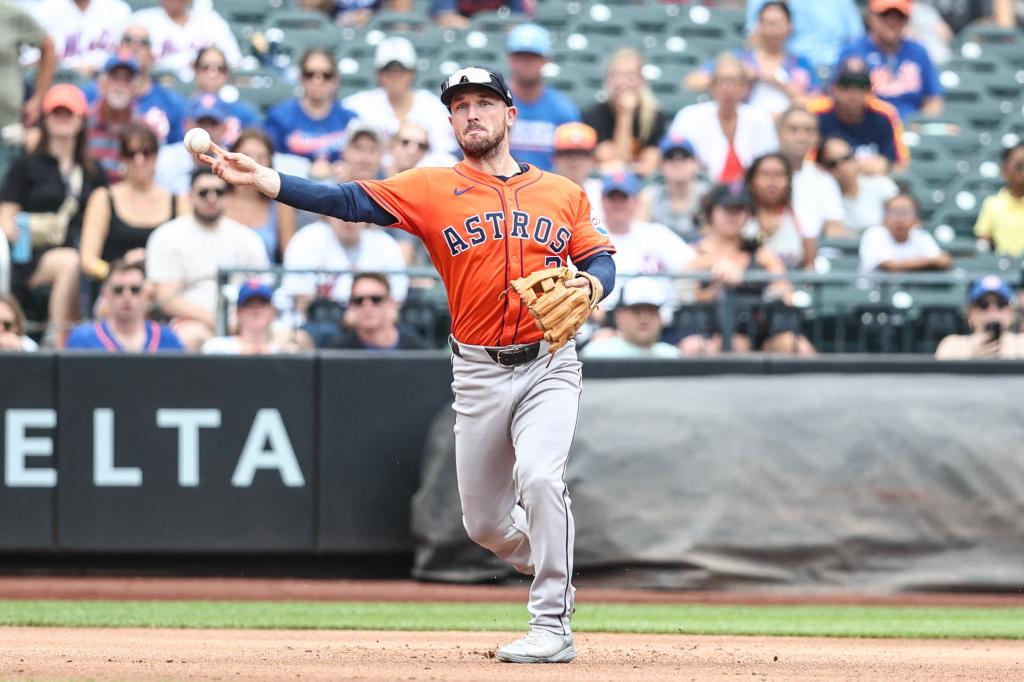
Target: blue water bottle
x=21 y=250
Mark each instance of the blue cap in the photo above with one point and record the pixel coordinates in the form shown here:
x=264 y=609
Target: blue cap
x=673 y=142
x=990 y=284
x=530 y=38
x=621 y=180
x=122 y=59
x=254 y=288
x=206 y=106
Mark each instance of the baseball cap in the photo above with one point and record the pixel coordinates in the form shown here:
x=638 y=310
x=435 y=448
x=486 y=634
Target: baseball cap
x=395 y=50
x=359 y=127
x=206 y=106
x=730 y=194
x=530 y=38
x=882 y=6
x=990 y=284
x=474 y=76
x=575 y=136
x=121 y=59
x=254 y=288
x=621 y=180
x=642 y=291
x=853 y=72
x=65 y=95
x=671 y=143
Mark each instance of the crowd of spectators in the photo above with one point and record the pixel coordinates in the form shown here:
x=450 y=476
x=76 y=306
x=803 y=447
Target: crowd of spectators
x=795 y=144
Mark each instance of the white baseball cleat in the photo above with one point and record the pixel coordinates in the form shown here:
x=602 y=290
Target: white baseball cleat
x=539 y=646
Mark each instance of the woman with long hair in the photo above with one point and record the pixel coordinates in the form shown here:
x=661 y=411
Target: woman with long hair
x=44 y=196
x=12 y=326
x=313 y=124
x=630 y=124
x=762 y=319
x=775 y=222
x=274 y=222
x=119 y=219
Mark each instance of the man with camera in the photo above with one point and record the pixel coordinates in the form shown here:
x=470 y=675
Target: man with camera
x=990 y=314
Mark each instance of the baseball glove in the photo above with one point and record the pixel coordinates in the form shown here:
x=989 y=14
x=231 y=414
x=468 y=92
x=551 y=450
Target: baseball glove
x=559 y=310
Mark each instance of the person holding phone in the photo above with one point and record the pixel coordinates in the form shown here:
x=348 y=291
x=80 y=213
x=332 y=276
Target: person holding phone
x=990 y=315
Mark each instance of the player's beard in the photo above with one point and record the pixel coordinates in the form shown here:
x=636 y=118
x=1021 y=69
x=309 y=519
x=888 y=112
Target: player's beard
x=483 y=148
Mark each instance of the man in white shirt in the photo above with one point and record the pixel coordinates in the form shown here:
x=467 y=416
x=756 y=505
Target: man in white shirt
x=395 y=100
x=178 y=31
x=332 y=244
x=900 y=245
x=184 y=255
x=639 y=325
x=84 y=32
x=815 y=192
x=640 y=248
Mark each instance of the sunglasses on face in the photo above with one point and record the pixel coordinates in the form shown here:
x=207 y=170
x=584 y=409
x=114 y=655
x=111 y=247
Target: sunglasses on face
x=141 y=42
x=132 y=153
x=207 y=191
x=7 y=325
x=405 y=142
x=678 y=156
x=835 y=163
x=375 y=299
x=854 y=84
x=118 y=289
x=310 y=75
x=986 y=303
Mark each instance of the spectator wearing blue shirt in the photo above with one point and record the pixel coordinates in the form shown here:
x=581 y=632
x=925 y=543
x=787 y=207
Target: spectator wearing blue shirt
x=124 y=329
x=211 y=78
x=541 y=108
x=820 y=27
x=456 y=13
x=313 y=124
x=902 y=73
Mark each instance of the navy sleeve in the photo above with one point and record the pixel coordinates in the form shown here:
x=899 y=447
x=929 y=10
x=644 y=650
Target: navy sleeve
x=347 y=201
x=602 y=266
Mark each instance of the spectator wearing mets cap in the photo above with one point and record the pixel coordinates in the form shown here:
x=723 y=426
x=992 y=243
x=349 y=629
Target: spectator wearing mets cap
x=114 y=110
x=573 y=158
x=902 y=73
x=174 y=163
x=255 y=319
x=674 y=198
x=990 y=316
x=395 y=100
x=541 y=107
x=638 y=324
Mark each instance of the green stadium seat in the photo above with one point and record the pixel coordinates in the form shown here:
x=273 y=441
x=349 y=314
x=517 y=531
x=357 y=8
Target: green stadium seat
x=399 y=22
x=495 y=22
x=301 y=19
x=622 y=33
x=262 y=88
x=462 y=56
x=555 y=15
x=250 y=12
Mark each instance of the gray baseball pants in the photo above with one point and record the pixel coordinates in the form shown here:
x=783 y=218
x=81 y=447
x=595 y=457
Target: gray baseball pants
x=513 y=429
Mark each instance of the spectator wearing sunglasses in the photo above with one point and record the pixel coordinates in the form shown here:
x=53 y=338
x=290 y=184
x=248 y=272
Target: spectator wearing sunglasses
x=396 y=100
x=119 y=221
x=12 y=327
x=370 y=321
x=211 y=78
x=871 y=126
x=161 y=108
x=1001 y=220
x=863 y=196
x=990 y=315
x=124 y=329
x=184 y=255
x=313 y=124
x=407 y=148
x=899 y=244
x=178 y=29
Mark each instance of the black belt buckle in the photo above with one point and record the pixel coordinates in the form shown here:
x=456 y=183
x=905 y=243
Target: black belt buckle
x=515 y=355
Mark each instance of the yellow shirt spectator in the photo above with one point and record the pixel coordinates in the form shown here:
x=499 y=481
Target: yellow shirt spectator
x=1001 y=221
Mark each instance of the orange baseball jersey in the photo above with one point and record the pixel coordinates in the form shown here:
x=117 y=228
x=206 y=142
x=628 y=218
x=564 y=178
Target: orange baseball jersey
x=482 y=232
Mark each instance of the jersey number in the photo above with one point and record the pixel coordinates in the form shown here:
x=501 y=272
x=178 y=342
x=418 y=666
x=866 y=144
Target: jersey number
x=553 y=262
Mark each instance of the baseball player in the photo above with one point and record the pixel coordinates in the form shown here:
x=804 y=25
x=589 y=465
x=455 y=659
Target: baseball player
x=494 y=228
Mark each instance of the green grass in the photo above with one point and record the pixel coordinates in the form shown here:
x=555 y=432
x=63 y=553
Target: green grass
x=819 y=621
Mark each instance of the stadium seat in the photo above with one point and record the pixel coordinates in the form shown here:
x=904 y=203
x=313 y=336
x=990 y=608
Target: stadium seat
x=286 y=19
x=262 y=88
x=249 y=12
x=498 y=23
x=399 y=22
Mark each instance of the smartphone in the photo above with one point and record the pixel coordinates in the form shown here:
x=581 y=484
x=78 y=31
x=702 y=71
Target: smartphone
x=995 y=330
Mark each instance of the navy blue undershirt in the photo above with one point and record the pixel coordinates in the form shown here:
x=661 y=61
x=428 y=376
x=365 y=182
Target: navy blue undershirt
x=349 y=201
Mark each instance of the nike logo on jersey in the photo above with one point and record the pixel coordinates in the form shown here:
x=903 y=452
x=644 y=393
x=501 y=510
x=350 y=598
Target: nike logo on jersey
x=460 y=192
x=478 y=229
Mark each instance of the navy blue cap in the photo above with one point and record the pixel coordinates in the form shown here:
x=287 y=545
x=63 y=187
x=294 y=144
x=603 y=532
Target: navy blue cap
x=990 y=284
x=254 y=288
x=206 y=106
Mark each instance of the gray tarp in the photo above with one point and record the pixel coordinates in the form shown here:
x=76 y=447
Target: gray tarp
x=870 y=482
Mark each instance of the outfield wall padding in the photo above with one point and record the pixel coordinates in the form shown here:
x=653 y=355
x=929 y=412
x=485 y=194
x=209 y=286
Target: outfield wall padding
x=873 y=482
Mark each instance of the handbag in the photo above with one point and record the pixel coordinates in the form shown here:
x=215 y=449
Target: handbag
x=51 y=229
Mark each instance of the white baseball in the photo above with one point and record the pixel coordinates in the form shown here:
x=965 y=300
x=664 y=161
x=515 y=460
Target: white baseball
x=197 y=141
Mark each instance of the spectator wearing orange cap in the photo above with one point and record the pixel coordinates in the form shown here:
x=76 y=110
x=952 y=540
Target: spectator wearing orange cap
x=41 y=205
x=674 y=201
x=573 y=157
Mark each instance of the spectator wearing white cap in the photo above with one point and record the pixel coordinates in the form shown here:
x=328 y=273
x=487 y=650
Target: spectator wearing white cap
x=541 y=108
x=395 y=100
x=638 y=324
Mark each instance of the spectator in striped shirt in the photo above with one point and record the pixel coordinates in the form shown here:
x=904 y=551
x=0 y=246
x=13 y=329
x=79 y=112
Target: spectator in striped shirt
x=112 y=112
